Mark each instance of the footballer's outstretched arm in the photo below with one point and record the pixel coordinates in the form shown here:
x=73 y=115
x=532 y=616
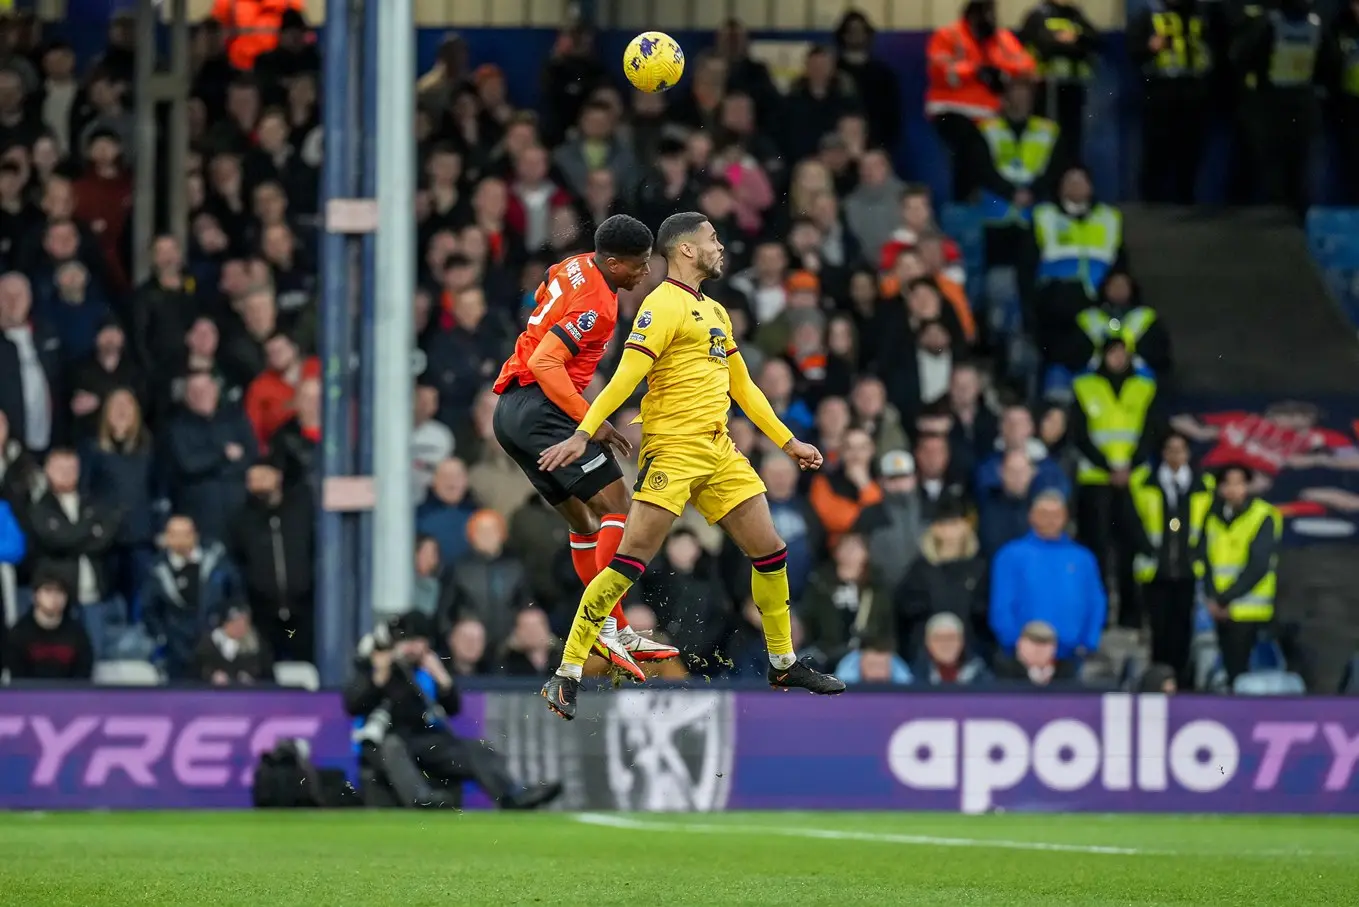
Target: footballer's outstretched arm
x=632 y=369
x=755 y=405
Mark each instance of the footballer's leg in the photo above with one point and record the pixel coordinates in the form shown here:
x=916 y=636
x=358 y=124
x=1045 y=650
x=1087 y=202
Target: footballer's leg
x=586 y=533
x=611 y=506
x=734 y=498
x=526 y=423
x=660 y=496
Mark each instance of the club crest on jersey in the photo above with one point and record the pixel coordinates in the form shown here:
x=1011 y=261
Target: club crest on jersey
x=587 y=321
x=717 y=343
x=644 y=320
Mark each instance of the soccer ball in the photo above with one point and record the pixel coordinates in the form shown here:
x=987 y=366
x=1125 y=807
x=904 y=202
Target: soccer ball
x=653 y=62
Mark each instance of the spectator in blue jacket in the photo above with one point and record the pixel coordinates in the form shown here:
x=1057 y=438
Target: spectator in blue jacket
x=443 y=515
x=1003 y=511
x=13 y=547
x=210 y=448
x=876 y=661
x=191 y=584
x=120 y=470
x=1046 y=576
x=1017 y=433
x=76 y=308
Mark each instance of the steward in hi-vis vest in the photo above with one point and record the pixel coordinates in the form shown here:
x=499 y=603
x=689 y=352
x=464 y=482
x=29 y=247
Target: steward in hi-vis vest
x=1171 y=501
x=1019 y=156
x=1121 y=314
x=1240 y=553
x=1109 y=429
x=1175 y=44
x=1275 y=51
x=1065 y=45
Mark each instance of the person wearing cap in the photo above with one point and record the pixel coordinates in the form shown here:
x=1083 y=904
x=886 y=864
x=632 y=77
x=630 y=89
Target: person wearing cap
x=1046 y=576
x=47 y=643
x=949 y=577
x=944 y=659
x=892 y=525
x=1036 y=657
x=1114 y=429
x=1239 y=548
x=396 y=671
x=1171 y=501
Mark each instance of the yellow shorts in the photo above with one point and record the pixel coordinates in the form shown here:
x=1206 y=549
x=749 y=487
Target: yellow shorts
x=706 y=471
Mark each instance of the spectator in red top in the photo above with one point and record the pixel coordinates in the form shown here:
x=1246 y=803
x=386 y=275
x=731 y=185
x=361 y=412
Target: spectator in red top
x=917 y=221
x=292 y=449
x=534 y=198
x=490 y=209
x=103 y=199
x=269 y=398
x=968 y=63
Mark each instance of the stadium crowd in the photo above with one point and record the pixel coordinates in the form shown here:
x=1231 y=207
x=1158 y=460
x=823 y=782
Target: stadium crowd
x=157 y=439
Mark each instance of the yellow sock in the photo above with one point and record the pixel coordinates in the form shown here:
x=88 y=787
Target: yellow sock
x=608 y=586
x=769 y=588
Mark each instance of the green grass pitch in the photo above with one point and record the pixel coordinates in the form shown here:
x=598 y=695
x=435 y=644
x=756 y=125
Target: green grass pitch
x=410 y=859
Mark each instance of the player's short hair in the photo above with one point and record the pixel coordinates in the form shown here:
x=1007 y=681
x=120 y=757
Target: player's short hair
x=676 y=227
x=621 y=236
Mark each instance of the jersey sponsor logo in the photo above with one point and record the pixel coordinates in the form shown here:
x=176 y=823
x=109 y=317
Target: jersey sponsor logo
x=587 y=321
x=636 y=337
x=572 y=330
x=657 y=480
x=644 y=320
x=717 y=343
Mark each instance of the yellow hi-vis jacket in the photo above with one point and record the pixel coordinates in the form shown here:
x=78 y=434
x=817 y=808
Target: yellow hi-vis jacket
x=1240 y=559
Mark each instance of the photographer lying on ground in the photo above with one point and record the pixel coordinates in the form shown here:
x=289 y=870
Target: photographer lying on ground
x=405 y=693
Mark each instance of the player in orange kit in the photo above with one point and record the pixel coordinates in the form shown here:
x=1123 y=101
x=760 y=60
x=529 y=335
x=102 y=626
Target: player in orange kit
x=540 y=404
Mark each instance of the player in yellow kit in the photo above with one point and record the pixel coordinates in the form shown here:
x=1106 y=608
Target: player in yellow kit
x=681 y=343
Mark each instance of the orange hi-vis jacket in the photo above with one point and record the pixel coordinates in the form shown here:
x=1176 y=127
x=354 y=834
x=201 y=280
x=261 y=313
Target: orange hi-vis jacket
x=955 y=59
x=252 y=26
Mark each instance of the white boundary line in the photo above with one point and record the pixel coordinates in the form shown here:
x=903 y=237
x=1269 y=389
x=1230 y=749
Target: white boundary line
x=825 y=834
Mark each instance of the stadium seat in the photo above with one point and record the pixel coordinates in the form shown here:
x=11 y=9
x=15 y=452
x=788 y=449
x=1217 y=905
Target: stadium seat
x=1267 y=656
x=1269 y=683
x=301 y=675
x=126 y=674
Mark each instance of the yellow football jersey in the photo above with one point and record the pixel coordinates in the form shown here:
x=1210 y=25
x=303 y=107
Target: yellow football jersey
x=689 y=336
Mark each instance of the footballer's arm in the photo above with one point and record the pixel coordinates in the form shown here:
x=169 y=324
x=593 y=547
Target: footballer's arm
x=548 y=364
x=755 y=405
x=632 y=370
